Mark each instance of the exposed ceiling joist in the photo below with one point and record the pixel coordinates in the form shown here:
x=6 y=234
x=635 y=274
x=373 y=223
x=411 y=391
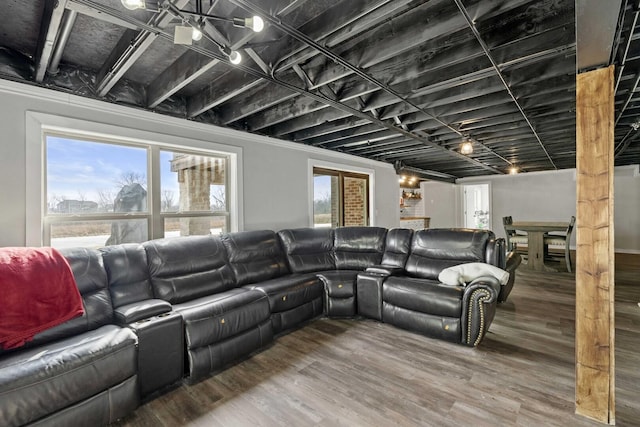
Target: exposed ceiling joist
x=485 y=48
x=384 y=79
x=129 y=49
x=51 y=21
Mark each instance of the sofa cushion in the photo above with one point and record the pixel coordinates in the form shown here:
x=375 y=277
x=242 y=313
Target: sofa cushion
x=127 y=273
x=184 y=268
x=397 y=247
x=423 y=295
x=46 y=379
x=308 y=249
x=255 y=256
x=357 y=248
x=433 y=250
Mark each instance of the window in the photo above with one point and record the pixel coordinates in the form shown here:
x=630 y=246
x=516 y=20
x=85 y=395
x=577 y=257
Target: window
x=340 y=198
x=101 y=192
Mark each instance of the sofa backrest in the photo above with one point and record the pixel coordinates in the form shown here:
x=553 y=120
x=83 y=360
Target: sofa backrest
x=356 y=248
x=308 y=249
x=91 y=278
x=255 y=256
x=188 y=267
x=127 y=273
x=433 y=250
x=397 y=247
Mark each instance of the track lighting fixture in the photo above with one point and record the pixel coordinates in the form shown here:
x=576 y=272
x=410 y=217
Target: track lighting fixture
x=196 y=34
x=193 y=24
x=255 y=23
x=234 y=56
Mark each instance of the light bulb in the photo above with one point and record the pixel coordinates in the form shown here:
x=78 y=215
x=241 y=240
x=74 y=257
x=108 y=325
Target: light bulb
x=466 y=148
x=196 y=34
x=256 y=23
x=234 y=57
x=513 y=170
x=133 y=4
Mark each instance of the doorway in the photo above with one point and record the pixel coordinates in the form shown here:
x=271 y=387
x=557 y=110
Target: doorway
x=340 y=198
x=476 y=204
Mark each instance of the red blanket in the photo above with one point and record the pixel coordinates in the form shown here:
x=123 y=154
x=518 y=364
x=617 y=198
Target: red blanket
x=37 y=291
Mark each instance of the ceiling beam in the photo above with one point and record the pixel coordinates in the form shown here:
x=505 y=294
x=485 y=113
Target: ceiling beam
x=129 y=48
x=341 y=61
x=50 y=24
x=325 y=129
x=348 y=22
x=523 y=71
x=473 y=28
x=316 y=28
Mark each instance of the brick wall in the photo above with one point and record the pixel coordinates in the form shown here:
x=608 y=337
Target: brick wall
x=354 y=201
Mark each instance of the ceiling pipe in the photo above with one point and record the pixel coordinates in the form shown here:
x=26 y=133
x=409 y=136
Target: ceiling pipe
x=636 y=8
x=626 y=142
x=623 y=61
x=298 y=35
x=629 y=98
x=61 y=42
x=260 y=74
x=485 y=48
x=401 y=168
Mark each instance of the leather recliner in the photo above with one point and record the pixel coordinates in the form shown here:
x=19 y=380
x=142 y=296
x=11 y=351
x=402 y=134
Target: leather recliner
x=82 y=372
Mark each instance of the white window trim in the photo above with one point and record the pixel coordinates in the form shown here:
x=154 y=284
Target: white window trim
x=315 y=163
x=39 y=123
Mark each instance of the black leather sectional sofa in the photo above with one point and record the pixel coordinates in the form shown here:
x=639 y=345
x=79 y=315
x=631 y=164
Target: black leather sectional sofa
x=172 y=309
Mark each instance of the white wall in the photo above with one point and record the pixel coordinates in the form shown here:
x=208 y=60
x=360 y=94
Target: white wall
x=274 y=185
x=551 y=196
x=441 y=204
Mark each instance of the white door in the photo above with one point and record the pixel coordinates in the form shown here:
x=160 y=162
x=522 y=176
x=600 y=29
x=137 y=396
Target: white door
x=476 y=206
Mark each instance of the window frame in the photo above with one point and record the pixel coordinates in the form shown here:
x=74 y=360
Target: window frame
x=315 y=164
x=39 y=125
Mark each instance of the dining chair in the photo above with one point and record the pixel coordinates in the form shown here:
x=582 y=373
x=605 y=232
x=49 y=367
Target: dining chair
x=513 y=238
x=563 y=241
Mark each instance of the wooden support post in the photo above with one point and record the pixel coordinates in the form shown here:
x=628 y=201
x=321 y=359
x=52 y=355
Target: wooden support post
x=595 y=327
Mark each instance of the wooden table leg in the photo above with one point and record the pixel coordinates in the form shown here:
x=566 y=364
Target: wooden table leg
x=535 y=240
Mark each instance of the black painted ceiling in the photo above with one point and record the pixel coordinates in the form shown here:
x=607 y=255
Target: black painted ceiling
x=401 y=81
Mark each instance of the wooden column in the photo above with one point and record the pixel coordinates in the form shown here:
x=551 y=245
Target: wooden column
x=595 y=327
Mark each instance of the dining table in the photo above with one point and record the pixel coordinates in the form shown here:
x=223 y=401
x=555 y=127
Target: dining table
x=535 y=240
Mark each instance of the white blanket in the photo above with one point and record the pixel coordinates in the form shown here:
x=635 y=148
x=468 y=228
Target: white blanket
x=464 y=273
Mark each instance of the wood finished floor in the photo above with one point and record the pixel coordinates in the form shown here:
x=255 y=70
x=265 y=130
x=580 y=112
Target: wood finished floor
x=365 y=373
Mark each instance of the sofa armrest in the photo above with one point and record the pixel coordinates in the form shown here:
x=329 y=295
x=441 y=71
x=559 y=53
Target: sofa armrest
x=144 y=309
x=513 y=261
x=386 y=270
x=478 y=308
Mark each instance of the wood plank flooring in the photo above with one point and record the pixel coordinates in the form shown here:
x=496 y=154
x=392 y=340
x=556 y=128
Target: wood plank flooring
x=365 y=373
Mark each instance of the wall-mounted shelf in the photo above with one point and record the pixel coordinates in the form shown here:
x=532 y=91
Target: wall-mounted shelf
x=409 y=195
